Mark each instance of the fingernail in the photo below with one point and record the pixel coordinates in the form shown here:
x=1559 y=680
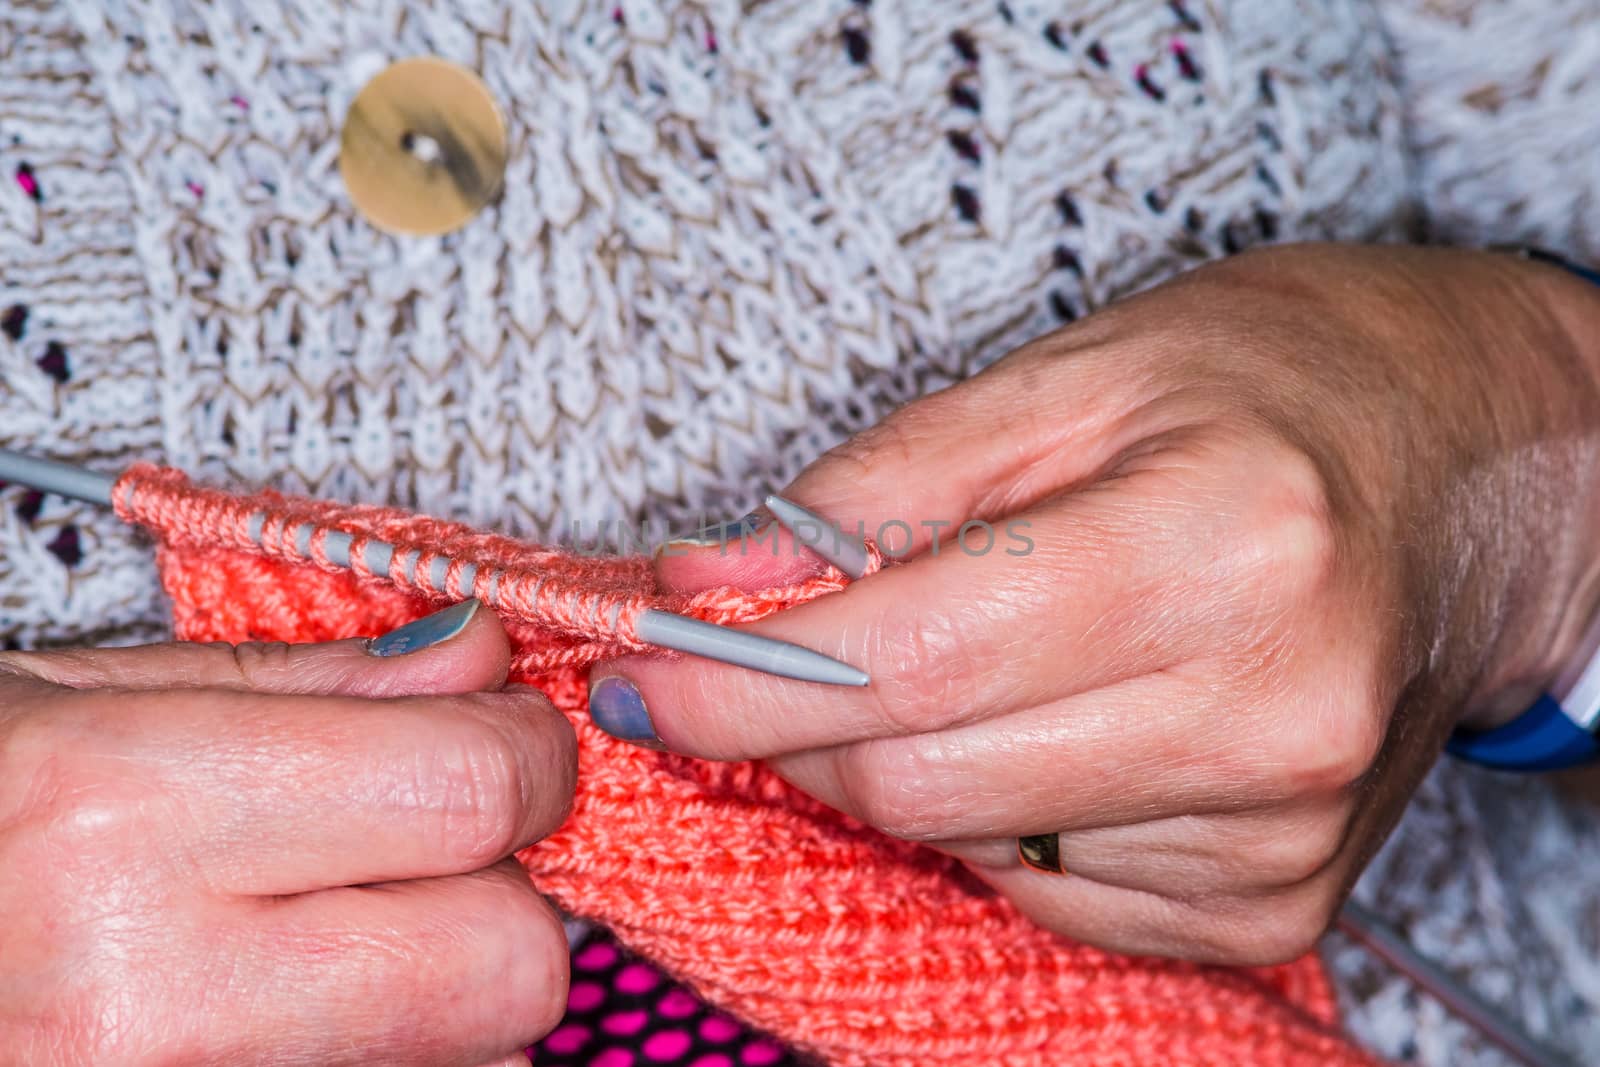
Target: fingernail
x=425 y=632
x=618 y=709
x=724 y=533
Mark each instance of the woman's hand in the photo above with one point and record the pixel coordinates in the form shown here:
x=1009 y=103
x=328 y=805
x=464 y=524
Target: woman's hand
x=294 y=854
x=1289 y=519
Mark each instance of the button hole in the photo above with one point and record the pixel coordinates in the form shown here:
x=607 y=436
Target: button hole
x=421 y=147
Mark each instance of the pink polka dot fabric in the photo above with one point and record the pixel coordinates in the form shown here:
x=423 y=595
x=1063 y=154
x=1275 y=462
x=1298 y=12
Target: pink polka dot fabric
x=622 y=1012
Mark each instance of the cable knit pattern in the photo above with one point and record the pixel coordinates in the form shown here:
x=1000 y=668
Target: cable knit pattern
x=733 y=233
x=68 y=278
x=1503 y=116
x=727 y=239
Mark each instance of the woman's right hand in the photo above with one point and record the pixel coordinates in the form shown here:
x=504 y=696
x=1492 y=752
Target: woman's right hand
x=284 y=853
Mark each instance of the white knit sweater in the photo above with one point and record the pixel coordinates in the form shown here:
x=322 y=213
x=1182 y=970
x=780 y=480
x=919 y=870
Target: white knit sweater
x=731 y=235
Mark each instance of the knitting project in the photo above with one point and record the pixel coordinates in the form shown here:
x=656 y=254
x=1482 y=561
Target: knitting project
x=860 y=949
x=735 y=233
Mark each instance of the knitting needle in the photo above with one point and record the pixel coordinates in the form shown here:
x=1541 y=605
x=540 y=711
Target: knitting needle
x=62 y=479
x=845 y=551
x=663 y=628
x=1372 y=933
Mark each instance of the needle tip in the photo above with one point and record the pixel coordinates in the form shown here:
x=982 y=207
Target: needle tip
x=824 y=538
x=742 y=649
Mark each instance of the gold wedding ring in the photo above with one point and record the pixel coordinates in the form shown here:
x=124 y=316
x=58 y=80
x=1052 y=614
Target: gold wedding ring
x=1042 y=852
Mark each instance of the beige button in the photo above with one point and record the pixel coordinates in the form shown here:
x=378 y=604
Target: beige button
x=423 y=147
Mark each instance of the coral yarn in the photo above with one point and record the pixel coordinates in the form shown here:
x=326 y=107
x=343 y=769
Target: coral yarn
x=862 y=950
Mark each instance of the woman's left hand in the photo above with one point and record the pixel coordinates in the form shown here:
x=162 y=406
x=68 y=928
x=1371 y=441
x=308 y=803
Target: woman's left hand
x=1261 y=537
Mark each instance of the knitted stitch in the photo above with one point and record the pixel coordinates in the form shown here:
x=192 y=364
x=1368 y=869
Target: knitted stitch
x=732 y=234
x=861 y=949
x=566 y=610
x=899 y=192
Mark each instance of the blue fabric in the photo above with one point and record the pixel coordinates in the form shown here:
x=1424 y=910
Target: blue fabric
x=1545 y=256
x=1542 y=738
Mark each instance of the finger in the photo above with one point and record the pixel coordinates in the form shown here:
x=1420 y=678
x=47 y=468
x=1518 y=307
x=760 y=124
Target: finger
x=913 y=479
x=1069 y=405
x=1192 y=858
x=465 y=969
x=1255 y=930
x=1105 y=589
x=750 y=554
x=1196 y=858
x=460 y=649
x=280 y=794
x=1197 y=738
x=1148 y=748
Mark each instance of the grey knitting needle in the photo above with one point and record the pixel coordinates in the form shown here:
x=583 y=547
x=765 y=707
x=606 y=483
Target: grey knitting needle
x=1377 y=937
x=680 y=633
x=765 y=654
x=62 y=479
x=845 y=551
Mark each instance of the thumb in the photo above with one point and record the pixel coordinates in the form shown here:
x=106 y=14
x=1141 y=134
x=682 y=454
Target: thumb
x=461 y=649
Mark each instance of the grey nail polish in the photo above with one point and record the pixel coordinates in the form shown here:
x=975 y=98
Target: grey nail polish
x=618 y=709
x=425 y=632
x=726 y=533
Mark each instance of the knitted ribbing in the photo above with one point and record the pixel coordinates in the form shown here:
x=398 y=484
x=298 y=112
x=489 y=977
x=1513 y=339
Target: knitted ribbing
x=568 y=609
x=858 y=948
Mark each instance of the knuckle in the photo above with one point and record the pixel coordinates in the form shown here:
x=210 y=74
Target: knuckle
x=901 y=786
x=1329 y=748
x=886 y=445
x=1303 y=535
x=542 y=955
x=1301 y=853
x=87 y=816
x=508 y=775
x=1292 y=526
x=255 y=663
x=545 y=740
x=929 y=668
x=484 y=792
x=54 y=781
x=1283 y=930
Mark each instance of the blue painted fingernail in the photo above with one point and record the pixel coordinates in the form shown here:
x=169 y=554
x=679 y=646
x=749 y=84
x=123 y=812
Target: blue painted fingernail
x=618 y=709
x=425 y=632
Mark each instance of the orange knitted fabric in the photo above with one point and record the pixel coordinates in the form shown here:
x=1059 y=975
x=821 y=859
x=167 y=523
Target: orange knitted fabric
x=857 y=948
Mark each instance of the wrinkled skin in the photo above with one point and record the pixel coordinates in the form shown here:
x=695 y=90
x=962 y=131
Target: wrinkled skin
x=1295 y=516
x=276 y=854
